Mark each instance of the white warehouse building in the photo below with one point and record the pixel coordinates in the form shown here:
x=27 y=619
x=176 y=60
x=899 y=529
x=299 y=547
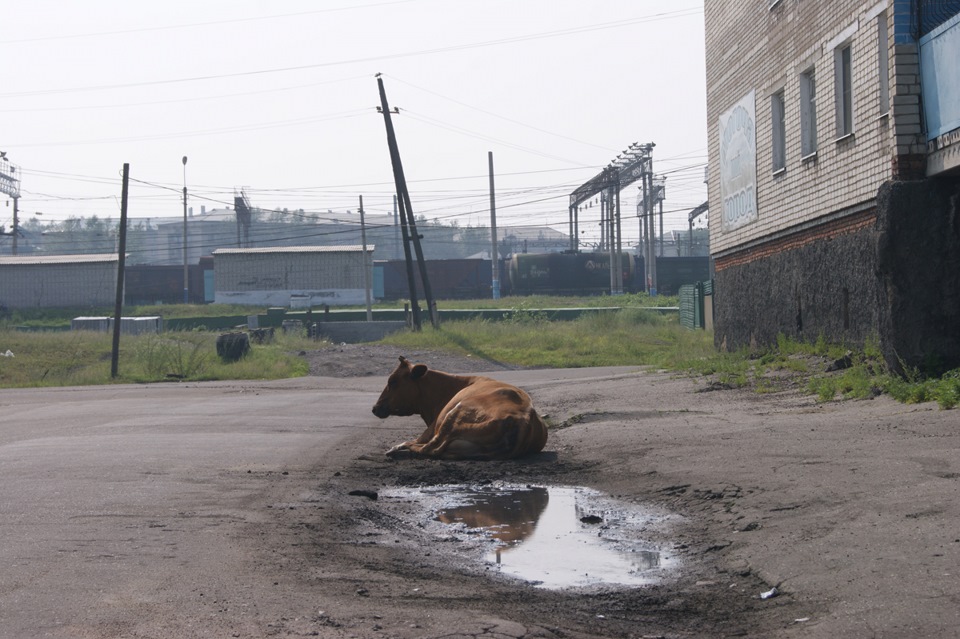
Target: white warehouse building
x=292 y=275
x=52 y=281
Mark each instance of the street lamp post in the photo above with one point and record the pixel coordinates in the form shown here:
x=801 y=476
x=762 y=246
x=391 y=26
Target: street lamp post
x=186 y=270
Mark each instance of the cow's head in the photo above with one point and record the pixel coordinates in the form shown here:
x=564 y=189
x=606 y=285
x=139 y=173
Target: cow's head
x=402 y=393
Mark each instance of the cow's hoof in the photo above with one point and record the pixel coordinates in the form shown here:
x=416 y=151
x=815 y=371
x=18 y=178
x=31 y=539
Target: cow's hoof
x=399 y=452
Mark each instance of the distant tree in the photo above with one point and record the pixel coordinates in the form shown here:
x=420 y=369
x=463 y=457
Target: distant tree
x=475 y=239
x=33 y=225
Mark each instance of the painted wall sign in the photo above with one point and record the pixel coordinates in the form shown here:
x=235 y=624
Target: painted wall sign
x=738 y=164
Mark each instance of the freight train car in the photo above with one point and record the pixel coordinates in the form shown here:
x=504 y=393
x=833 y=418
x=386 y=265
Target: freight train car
x=449 y=279
x=156 y=284
x=674 y=272
x=589 y=273
x=567 y=273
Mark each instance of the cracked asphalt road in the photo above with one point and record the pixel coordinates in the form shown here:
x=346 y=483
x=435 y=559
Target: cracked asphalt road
x=223 y=509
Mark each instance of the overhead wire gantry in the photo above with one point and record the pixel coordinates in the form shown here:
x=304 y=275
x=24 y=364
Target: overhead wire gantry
x=633 y=164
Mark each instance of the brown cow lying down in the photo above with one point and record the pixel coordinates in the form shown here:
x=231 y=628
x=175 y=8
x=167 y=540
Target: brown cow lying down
x=467 y=417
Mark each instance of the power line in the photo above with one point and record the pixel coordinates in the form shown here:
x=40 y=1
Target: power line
x=667 y=15
x=191 y=25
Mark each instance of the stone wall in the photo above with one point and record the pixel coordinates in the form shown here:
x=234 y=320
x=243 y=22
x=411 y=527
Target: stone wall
x=918 y=273
x=889 y=274
x=816 y=282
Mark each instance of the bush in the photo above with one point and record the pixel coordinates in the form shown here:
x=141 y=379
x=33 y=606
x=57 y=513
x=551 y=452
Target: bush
x=173 y=355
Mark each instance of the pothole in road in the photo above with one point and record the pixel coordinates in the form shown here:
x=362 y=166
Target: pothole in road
x=552 y=536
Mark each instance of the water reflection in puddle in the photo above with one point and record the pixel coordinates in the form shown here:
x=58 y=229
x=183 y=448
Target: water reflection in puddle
x=556 y=537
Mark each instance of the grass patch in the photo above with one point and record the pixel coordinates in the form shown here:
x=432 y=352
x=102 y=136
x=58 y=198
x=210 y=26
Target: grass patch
x=632 y=336
x=629 y=337
x=546 y=301
x=73 y=358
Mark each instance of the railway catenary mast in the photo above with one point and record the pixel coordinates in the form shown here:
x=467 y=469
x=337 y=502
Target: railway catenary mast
x=10 y=185
x=635 y=163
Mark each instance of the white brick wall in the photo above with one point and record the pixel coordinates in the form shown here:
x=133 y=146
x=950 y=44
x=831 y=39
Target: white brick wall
x=752 y=47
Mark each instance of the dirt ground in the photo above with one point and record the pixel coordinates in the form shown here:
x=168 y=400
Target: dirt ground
x=849 y=509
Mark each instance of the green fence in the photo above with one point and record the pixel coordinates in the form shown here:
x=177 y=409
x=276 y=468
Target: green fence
x=692 y=304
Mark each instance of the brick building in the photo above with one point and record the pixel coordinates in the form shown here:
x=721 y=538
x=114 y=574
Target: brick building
x=834 y=163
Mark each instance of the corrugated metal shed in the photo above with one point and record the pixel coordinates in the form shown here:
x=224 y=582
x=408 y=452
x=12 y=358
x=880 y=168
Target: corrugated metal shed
x=54 y=281
x=313 y=275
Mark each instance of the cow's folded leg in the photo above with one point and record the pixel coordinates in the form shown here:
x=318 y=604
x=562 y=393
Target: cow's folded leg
x=400 y=451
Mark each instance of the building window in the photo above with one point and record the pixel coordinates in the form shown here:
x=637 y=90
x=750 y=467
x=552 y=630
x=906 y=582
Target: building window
x=843 y=70
x=808 y=113
x=883 y=65
x=779 y=131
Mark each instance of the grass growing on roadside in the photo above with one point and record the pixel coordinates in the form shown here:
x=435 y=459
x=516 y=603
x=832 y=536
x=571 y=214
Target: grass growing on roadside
x=628 y=337
x=59 y=318
x=74 y=358
x=547 y=301
x=633 y=335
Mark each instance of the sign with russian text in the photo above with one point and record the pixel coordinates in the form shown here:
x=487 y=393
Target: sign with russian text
x=738 y=164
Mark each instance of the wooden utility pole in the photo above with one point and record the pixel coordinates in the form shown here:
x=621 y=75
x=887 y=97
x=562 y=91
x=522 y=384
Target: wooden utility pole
x=366 y=265
x=121 y=262
x=493 y=232
x=406 y=212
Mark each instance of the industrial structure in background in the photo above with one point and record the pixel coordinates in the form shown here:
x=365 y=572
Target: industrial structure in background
x=834 y=157
x=10 y=186
x=248 y=256
x=298 y=277
x=29 y=281
x=633 y=164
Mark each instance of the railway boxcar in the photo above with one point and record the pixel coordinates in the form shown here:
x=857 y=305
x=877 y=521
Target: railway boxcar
x=449 y=279
x=566 y=273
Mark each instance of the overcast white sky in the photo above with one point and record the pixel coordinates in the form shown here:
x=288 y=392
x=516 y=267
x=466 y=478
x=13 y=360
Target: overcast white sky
x=279 y=98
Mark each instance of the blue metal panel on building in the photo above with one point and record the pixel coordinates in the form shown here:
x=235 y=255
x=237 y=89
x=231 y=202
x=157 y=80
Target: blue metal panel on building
x=940 y=78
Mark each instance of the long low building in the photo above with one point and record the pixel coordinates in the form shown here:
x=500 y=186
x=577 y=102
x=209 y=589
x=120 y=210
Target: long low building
x=292 y=275
x=58 y=281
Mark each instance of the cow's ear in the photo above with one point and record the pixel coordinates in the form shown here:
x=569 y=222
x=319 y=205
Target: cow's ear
x=403 y=360
x=418 y=371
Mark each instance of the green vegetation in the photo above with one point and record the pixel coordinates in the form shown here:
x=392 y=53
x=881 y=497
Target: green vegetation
x=71 y=358
x=552 y=301
x=629 y=337
x=633 y=336
x=59 y=318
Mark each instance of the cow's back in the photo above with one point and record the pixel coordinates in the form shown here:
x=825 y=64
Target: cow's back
x=500 y=417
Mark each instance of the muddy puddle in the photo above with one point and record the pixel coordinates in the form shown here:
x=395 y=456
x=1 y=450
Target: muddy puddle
x=552 y=536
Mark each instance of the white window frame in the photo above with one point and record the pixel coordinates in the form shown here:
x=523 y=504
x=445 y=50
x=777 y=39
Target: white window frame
x=778 y=130
x=808 y=113
x=883 y=61
x=843 y=85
